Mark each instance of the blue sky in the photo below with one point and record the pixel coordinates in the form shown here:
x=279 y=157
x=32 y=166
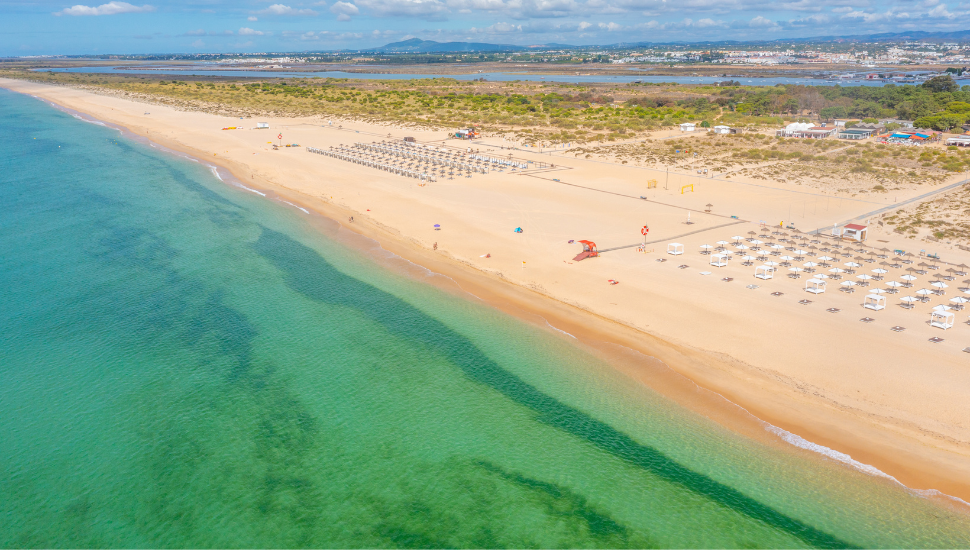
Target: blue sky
x=54 y=27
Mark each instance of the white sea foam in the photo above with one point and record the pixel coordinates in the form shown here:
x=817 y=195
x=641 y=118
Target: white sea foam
x=305 y=211
x=215 y=172
x=802 y=443
x=557 y=329
x=81 y=118
x=248 y=189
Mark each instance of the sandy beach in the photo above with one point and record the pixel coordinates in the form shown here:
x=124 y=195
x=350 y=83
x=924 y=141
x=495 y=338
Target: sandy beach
x=890 y=399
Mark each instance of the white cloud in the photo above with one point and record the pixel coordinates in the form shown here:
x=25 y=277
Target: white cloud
x=252 y=18
x=198 y=44
x=198 y=32
x=246 y=31
x=584 y=25
x=111 y=8
x=761 y=22
x=413 y=8
x=610 y=27
x=281 y=9
x=344 y=10
x=502 y=28
x=941 y=11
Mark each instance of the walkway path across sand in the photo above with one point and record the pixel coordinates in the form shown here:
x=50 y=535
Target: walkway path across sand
x=701 y=230
x=901 y=204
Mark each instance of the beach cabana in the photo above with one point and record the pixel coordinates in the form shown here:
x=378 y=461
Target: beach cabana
x=875 y=302
x=675 y=249
x=942 y=319
x=589 y=251
x=815 y=286
x=764 y=272
x=719 y=260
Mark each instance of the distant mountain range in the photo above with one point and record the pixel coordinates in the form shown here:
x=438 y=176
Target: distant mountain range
x=416 y=45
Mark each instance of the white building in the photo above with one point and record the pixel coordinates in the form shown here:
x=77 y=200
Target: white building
x=688 y=127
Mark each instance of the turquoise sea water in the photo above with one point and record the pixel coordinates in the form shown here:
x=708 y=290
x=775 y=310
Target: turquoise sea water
x=187 y=364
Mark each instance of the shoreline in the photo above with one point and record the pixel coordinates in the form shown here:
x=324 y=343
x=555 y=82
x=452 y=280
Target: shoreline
x=598 y=332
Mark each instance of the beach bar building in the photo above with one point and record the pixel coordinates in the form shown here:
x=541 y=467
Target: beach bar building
x=855 y=133
x=875 y=302
x=941 y=318
x=675 y=249
x=959 y=141
x=807 y=130
x=722 y=129
x=815 y=286
x=262 y=125
x=855 y=232
x=688 y=127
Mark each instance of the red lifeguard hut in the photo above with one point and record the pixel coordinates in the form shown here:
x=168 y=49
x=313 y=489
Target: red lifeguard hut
x=589 y=251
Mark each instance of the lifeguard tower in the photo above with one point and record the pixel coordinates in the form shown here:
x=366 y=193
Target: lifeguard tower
x=589 y=251
x=855 y=232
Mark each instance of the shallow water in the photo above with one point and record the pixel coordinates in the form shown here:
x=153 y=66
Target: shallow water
x=188 y=364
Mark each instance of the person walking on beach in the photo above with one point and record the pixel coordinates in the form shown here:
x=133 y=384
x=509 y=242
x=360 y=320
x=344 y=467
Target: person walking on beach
x=436 y=245
x=351 y=219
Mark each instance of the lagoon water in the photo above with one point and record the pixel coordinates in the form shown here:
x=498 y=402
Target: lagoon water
x=185 y=363
x=637 y=75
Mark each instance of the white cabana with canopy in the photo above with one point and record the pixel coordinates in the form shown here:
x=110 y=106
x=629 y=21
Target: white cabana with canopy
x=764 y=272
x=940 y=318
x=675 y=249
x=815 y=286
x=875 y=302
x=719 y=260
